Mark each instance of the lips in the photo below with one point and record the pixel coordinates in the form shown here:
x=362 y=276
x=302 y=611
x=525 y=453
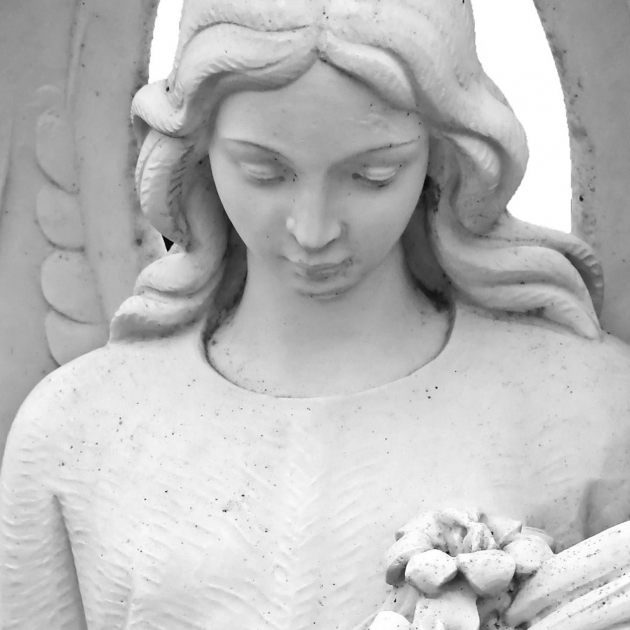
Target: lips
x=320 y=271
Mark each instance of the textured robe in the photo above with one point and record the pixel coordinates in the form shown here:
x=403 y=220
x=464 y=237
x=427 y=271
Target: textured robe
x=142 y=490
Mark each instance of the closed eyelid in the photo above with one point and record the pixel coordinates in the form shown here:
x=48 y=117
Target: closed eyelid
x=256 y=161
x=263 y=171
x=260 y=166
x=381 y=171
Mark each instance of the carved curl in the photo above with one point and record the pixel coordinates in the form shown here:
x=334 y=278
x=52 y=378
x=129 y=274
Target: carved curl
x=418 y=56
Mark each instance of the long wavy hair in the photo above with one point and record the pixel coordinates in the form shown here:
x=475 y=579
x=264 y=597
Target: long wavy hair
x=418 y=55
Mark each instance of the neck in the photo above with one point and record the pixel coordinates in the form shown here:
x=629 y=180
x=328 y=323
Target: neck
x=305 y=323
x=299 y=345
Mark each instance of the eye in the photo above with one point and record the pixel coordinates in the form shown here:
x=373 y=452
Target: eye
x=264 y=173
x=378 y=177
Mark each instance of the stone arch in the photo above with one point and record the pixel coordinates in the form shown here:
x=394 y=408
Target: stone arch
x=590 y=44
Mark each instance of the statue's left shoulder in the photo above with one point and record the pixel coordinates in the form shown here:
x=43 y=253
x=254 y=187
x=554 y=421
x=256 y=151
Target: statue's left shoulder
x=550 y=365
x=596 y=368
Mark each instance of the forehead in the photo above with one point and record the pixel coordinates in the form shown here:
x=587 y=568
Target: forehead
x=324 y=112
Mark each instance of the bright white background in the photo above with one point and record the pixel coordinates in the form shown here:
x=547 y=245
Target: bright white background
x=513 y=50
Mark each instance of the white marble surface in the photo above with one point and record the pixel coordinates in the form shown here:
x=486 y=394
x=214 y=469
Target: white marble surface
x=244 y=456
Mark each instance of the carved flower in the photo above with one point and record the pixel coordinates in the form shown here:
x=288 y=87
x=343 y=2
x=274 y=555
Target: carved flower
x=458 y=570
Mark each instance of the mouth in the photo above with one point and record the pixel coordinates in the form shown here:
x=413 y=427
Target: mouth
x=320 y=271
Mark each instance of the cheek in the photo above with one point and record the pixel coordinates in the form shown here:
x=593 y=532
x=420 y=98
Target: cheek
x=386 y=217
x=247 y=209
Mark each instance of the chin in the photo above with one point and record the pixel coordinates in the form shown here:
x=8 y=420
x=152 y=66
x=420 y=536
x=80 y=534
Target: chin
x=324 y=296
x=325 y=291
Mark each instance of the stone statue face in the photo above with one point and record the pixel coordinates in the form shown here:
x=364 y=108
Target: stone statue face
x=319 y=178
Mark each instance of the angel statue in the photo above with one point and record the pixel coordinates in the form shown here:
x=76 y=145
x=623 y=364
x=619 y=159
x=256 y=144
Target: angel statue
x=352 y=344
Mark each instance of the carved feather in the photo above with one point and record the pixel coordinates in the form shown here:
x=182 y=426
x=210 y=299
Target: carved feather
x=86 y=208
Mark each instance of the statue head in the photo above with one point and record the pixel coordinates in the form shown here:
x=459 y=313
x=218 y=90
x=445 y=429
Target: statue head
x=416 y=55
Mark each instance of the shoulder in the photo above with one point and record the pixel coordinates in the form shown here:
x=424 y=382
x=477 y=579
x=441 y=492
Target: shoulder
x=550 y=363
x=76 y=385
x=113 y=369
x=571 y=398
x=55 y=409
x=76 y=404
x=527 y=339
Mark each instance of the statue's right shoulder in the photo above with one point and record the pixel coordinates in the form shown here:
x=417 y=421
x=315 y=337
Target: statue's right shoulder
x=62 y=401
x=79 y=402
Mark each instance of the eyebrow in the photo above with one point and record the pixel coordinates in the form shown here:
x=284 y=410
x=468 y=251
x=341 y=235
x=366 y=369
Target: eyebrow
x=385 y=147
x=254 y=145
x=393 y=145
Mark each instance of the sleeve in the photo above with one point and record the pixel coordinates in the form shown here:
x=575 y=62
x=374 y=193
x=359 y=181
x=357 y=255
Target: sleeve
x=38 y=581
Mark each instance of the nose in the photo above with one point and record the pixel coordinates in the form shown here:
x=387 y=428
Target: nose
x=313 y=221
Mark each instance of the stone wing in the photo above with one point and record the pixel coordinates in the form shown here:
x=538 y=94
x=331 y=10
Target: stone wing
x=72 y=238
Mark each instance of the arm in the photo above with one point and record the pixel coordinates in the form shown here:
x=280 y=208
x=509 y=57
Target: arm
x=38 y=583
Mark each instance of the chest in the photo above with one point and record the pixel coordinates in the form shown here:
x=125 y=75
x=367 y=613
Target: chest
x=280 y=517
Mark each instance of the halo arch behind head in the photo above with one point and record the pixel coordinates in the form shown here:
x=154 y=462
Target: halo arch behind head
x=417 y=55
